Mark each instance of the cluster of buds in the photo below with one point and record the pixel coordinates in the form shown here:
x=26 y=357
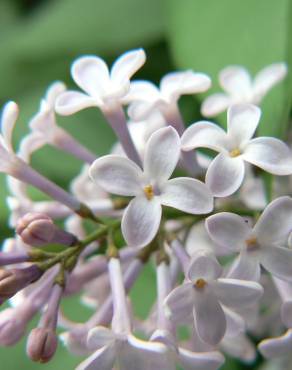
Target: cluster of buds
x=218 y=239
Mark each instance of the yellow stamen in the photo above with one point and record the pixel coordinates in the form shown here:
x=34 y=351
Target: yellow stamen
x=149 y=192
x=234 y=153
x=251 y=243
x=200 y=283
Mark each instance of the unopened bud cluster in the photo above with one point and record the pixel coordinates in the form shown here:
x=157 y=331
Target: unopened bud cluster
x=140 y=212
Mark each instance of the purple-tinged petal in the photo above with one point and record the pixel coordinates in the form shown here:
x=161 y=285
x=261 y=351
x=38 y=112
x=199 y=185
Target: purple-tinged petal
x=278 y=261
x=275 y=223
x=117 y=175
x=209 y=316
x=141 y=221
x=246 y=266
x=225 y=175
x=270 y=154
x=228 y=230
x=102 y=359
x=204 y=266
x=71 y=102
x=276 y=347
x=199 y=360
x=100 y=336
x=242 y=122
x=180 y=302
x=237 y=293
x=204 y=134
x=188 y=195
x=286 y=313
x=161 y=154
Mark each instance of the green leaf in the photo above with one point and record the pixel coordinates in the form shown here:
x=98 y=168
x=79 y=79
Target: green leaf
x=209 y=35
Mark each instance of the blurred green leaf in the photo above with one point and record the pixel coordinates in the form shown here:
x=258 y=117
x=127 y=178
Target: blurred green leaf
x=209 y=35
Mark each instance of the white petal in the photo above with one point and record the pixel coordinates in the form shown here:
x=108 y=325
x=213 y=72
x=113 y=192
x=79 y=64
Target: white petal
x=242 y=122
x=8 y=120
x=175 y=84
x=54 y=90
x=204 y=265
x=274 y=225
x=235 y=324
x=267 y=78
x=141 y=221
x=179 y=303
x=278 y=261
x=199 y=360
x=126 y=65
x=71 y=102
x=161 y=154
x=188 y=195
x=240 y=347
x=204 y=134
x=228 y=230
x=102 y=359
x=209 y=317
x=141 y=110
x=286 y=313
x=91 y=74
x=142 y=355
x=215 y=104
x=270 y=154
x=236 y=81
x=237 y=293
x=246 y=266
x=225 y=175
x=276 y=347
x=99 y=337
x=116 y=175
x=142 y=90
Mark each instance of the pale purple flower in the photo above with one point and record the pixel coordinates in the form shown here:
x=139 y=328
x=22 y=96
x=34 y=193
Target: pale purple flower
x=226 y=172
x=203 y=294
x=151 y=187
x=240 y=88
x=263 y=244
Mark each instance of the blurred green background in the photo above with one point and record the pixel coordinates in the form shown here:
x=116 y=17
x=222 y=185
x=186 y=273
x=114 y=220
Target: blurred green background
x=39 y=39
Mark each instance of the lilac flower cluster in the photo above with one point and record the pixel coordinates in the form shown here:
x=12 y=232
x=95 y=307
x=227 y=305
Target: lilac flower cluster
x=221 y=248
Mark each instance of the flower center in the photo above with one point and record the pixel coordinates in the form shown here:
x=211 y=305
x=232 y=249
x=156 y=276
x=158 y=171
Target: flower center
x=200 y=283
x=149 y=191
x=251 y=243
x=234 y=153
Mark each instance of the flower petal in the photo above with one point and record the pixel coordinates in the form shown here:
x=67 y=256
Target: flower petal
x=117 y=175
x=246 y=266
x=9 y=116
x=141 y=221
x=126 y=65
x=175 y=84
x=225 y=175
x=275 y=223
x=278 y=261
x=228 y=230
x=71 y=102
x=215 y=104
x=276 y=347
x=235 y=324
x=179 y=303
x=204 y=266
x=286 y=313
x=199 y=360
x=236 y=81
x=102 y=359
x=188 y=195
x=142 y=90
x=161 y=154
x=242 y=122
x=91 y=74
x=209 y=316
x=270 y=154
x=267 y=78
x=100 y=336
x=204 y=134
x=237 y=293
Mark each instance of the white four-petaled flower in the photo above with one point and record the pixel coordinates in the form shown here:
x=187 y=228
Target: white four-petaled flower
x=263 y=244
x=151 y=187
x=226 y=172
x=240 y=88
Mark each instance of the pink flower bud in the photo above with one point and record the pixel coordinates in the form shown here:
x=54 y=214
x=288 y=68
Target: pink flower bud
x=14 y=280
x=42 y=344
x=38 y=229
x=12 y=326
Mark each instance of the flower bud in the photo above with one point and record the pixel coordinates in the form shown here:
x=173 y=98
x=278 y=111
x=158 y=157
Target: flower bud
x=38 y=229
x=42 y=344
x=12 y=326
x=14 y=280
